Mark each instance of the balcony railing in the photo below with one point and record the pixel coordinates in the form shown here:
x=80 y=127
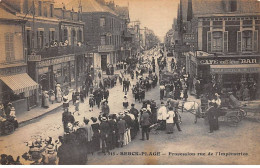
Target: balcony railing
x=60 y=51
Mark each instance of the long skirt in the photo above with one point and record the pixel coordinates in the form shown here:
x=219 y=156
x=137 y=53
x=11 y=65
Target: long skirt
x=169 y=127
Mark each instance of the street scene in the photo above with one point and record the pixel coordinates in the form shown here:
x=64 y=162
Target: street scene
x=96 y=82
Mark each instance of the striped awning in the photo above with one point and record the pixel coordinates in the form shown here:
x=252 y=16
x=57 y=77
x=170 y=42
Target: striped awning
x=20 y=83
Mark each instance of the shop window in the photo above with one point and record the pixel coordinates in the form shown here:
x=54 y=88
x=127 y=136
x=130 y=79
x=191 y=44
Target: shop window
x=102 y=22
x=65 y=71
x=9 y=47
x=247 y=40
x=217 y=41
x=103 y=40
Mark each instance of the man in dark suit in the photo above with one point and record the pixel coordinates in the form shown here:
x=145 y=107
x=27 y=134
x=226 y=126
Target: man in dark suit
x=104 y=132
x=121 y=126
x=212 y=117
x=145 y=123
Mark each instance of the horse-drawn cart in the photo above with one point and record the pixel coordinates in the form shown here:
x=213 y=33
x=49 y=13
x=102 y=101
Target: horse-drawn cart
x=229 y=111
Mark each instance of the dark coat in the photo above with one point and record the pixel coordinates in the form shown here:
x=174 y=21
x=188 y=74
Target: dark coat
x=121 y=126
x=145 y=119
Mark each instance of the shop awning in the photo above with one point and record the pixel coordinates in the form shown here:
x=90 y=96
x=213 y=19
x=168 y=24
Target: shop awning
x=20 y=83
x=231 y=69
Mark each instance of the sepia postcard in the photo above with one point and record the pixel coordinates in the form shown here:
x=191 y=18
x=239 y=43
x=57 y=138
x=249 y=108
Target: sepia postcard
x=129 y=82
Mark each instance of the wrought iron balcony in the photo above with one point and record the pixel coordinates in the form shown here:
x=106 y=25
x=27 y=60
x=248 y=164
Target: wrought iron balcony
x=49 y=52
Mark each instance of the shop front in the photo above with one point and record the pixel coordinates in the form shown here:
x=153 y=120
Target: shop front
x=232 y=73
x=17 y=87
x=107 y=56
x=60 y=70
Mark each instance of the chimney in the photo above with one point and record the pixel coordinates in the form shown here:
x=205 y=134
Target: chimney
x=189 y=12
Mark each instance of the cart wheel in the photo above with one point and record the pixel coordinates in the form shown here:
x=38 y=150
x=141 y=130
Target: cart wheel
x=243 y=112
x=233 y=120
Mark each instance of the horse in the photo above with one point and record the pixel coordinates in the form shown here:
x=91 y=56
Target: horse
x=188 y=106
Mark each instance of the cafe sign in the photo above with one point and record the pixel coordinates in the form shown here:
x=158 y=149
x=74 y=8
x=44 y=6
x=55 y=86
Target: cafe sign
x=228 y=61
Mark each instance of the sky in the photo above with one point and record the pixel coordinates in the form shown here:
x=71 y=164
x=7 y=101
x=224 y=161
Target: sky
x=157 y=15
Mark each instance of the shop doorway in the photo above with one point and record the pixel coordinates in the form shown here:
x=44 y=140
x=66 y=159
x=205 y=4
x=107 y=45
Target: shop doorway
x=103 y=62
x=44 y=82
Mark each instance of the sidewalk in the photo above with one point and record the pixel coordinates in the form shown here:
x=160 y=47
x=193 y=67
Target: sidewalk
x=39 y=111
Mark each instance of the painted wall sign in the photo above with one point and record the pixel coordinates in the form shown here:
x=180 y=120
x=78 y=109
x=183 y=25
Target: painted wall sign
x=229 y=61
x=12 y=70
x=55 y=61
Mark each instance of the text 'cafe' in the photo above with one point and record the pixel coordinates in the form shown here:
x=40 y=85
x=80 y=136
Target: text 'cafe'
x=229 y=71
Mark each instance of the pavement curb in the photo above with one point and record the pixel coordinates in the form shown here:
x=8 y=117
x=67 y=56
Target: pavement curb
x=41 y=115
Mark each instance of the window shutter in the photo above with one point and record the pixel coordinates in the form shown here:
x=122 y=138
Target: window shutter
x=209 y=37
x=255 y=40
x=9 y=46
x=225 y=42
x=239 y=41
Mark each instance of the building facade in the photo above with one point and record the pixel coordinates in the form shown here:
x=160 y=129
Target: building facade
x=103 y=31
x=52 y=43
x=15 y=84
x=226 y=35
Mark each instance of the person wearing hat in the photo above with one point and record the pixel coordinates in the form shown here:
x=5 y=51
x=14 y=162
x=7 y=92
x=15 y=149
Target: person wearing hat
x=125 y=102
x=91 y=102
x=134 y=111
x=58 y=93
x=162 y=89
x=112 y=139
x=65 y=102
x=121 y=127
x=12 y=117
x=129 y=125
x=212 y=117
x=88 y=134
x=105 y=108
x=145 y=124
x=104 y=133
x=95 y=145
x=45 y=99
x=161 y=116
x=170 y=121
